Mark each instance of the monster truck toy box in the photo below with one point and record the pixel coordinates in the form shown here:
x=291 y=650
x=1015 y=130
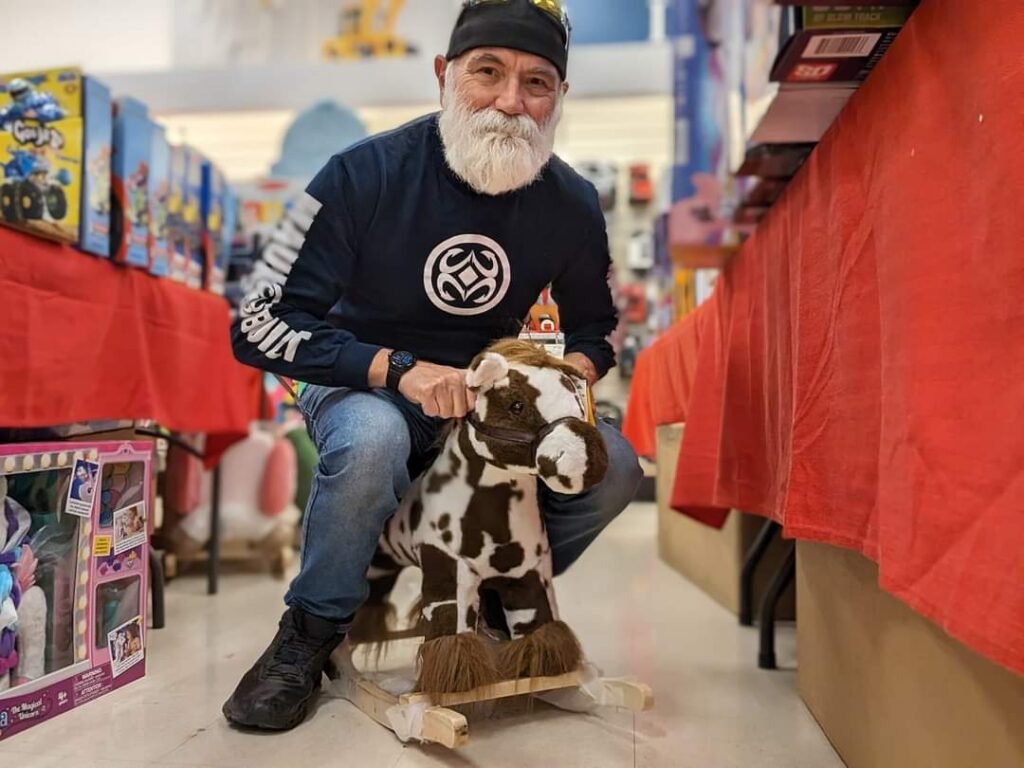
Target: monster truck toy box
x=133 y=147
x=836 y=43
x=55 y=148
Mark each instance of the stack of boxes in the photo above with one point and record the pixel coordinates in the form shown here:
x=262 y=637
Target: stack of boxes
x=101 y=176
x=823 y=53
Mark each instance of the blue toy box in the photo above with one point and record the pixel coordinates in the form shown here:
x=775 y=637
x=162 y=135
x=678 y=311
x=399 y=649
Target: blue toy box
x=214 y=190
x=176 y=240
x=55 y=146
x=133 y=141
x=192 y=218
x=159 y=197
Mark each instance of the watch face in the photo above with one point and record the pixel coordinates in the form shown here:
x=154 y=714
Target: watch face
x=403 y=360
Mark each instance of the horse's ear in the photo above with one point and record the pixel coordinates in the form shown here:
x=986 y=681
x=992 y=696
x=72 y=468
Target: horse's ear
x=486 y=371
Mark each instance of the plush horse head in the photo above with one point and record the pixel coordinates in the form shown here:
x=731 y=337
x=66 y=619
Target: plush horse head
x=530 y=417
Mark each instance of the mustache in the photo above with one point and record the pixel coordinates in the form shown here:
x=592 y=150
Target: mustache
x=491 y=120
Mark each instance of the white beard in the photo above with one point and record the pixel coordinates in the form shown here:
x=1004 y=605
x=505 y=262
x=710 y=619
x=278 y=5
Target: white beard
x=491 y=151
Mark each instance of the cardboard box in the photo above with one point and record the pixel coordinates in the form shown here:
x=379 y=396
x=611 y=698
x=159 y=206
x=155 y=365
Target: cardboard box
x=891 y=689
x=801 y=113
x=133 y=146
x=192 y=219
x=213 y=216
x=55 y=146
x=711 y=559
x=837 y=43
x=79 y=624
x=775 y=161
x=177 y=240
x=159 y=198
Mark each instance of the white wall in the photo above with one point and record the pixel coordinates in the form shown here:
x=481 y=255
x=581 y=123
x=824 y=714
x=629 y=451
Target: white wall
x=99 y=35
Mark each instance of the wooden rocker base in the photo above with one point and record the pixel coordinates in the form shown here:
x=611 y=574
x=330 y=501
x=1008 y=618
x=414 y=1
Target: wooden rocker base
x=426 y=718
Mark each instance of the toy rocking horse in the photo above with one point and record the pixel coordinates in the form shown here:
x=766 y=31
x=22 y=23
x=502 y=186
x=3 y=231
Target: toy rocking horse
x=472 y=523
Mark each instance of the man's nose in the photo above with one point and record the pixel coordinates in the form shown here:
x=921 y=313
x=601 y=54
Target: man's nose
x=511 y=99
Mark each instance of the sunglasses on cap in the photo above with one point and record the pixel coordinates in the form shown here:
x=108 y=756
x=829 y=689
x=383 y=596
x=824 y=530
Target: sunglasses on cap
x=553 y=8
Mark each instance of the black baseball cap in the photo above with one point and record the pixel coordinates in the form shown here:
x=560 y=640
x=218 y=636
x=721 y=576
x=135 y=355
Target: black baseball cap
x=522 y=25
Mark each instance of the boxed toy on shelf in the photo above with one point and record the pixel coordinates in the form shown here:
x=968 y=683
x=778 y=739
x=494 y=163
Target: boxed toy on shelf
x=177 y=236
x=159 y=198
x=74 y=575
x=213 y=217
x=195 y=261
x=55 y=148
x=837 y=43
x=133 y=145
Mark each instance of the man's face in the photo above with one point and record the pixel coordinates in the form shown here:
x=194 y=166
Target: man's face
x=500 y=111
x=512 y=82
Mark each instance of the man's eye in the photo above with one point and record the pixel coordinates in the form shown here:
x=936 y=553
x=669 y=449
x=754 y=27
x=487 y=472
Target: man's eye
x=488 y=71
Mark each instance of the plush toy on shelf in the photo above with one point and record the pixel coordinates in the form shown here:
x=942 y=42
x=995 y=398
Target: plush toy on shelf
x=258 y=516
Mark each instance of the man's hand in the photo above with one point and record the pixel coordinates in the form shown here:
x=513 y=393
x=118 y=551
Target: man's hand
x=439 y=390
x=583 y=364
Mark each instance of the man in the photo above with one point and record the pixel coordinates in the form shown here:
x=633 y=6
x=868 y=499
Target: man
x=409 y=254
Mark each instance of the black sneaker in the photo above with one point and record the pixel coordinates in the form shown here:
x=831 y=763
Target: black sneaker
x=278 y=692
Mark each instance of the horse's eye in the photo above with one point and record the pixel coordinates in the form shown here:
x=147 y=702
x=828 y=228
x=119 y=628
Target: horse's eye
x=516 y=407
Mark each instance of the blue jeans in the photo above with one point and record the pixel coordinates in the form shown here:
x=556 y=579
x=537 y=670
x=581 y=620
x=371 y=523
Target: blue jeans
x=372 y=444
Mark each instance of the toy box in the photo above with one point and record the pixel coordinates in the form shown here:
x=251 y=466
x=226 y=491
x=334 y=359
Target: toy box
x=195 y=262
x=73 y=575
x=212 y=212
x=837 y=43
x=159 y=194
x=55 y=145
x=177 y=241
x=133 y=140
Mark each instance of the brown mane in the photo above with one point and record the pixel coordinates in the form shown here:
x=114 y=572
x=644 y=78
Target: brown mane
x=527 y=353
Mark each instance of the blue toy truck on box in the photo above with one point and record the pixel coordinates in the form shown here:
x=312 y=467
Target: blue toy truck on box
x=133 y=141
x=159 y=198
x=55 y=145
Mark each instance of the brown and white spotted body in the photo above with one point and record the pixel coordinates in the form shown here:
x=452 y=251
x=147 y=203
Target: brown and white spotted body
x=473 y=521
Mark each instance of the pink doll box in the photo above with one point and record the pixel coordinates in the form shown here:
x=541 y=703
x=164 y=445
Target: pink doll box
x=74 y=575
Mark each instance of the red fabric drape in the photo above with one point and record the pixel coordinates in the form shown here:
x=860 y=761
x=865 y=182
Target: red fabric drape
x=864 y=380
x=662 y=381
x=84 y=340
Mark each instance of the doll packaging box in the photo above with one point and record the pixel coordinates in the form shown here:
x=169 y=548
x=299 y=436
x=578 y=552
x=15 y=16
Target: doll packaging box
x=74 y=576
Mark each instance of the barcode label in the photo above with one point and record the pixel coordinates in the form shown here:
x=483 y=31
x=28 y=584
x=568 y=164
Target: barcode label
x=841 y=46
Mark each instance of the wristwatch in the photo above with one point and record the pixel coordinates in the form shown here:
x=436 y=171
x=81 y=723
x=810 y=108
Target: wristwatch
x=399 y=364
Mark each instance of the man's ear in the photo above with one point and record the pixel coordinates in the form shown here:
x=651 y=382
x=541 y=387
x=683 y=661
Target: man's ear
x=440 y=67
x=565 y=88
x=486 y=371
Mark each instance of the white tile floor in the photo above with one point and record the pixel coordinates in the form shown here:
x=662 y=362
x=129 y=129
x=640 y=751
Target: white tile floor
x=634 y=615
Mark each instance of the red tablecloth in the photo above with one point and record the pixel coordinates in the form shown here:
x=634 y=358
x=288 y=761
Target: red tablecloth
x=662 y=381
x=864 y=383
x=84 y=340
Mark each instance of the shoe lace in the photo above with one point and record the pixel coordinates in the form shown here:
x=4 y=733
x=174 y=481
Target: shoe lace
x=290 y=659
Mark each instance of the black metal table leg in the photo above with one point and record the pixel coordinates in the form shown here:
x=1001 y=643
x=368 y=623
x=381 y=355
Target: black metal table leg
x=156 y=588
x=213 y=548
x=750 y=563
x=782 y=580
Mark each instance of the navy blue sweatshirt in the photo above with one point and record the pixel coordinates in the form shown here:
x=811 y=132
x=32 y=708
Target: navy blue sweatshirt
x=389 y=248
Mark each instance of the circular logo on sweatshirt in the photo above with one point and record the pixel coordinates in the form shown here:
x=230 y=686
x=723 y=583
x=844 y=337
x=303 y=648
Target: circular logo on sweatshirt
x=467 y=275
